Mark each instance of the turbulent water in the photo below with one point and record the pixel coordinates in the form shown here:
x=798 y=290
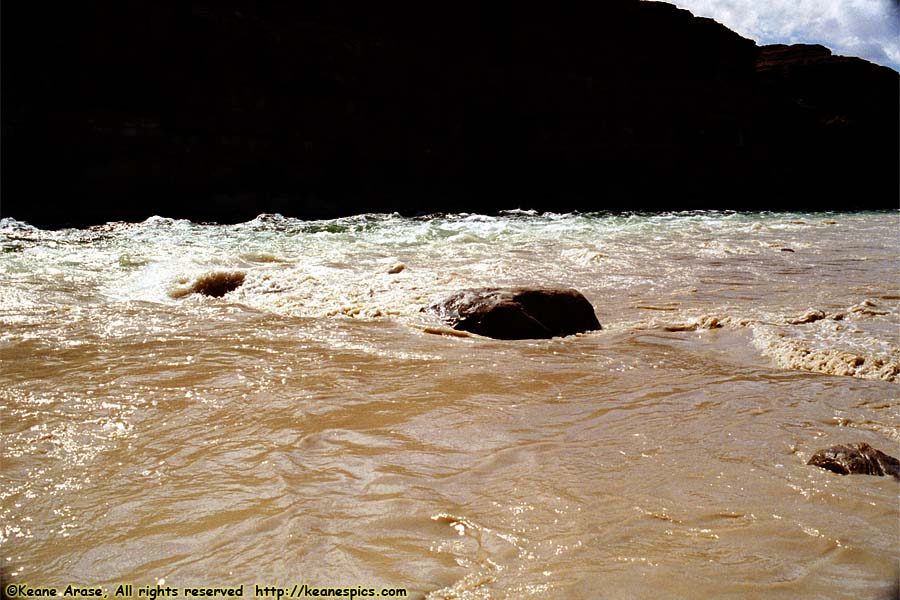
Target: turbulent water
x=304 y=423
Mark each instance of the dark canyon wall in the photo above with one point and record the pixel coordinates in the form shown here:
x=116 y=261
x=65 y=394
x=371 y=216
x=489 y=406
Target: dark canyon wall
x=221 y=110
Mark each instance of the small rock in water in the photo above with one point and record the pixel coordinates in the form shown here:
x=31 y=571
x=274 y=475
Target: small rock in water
x=518 y=313
x=218 y=284
x=215 y=284
x=396 y=269
x=810 y=316
x=859 y=458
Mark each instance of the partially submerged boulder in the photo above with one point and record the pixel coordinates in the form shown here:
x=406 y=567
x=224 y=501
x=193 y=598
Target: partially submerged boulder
x=215 y=284
x=858 y=458
x=518 y=313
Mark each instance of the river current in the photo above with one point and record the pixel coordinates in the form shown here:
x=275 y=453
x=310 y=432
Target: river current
x=314 y=426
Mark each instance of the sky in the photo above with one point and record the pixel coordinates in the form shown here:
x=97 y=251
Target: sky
x=869 y=29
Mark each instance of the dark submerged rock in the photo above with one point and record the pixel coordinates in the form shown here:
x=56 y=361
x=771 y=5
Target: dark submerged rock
x=215 y=284
x=218 y=284
x=859 y=458
x=518 y=313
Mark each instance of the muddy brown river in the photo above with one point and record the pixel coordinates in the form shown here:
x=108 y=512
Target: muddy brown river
x=307 y=428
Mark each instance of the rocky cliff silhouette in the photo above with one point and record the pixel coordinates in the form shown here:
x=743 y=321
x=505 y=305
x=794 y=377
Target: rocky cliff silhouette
x=221 y=110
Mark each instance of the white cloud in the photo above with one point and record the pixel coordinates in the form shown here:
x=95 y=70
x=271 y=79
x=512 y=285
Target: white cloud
x=866 y=28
